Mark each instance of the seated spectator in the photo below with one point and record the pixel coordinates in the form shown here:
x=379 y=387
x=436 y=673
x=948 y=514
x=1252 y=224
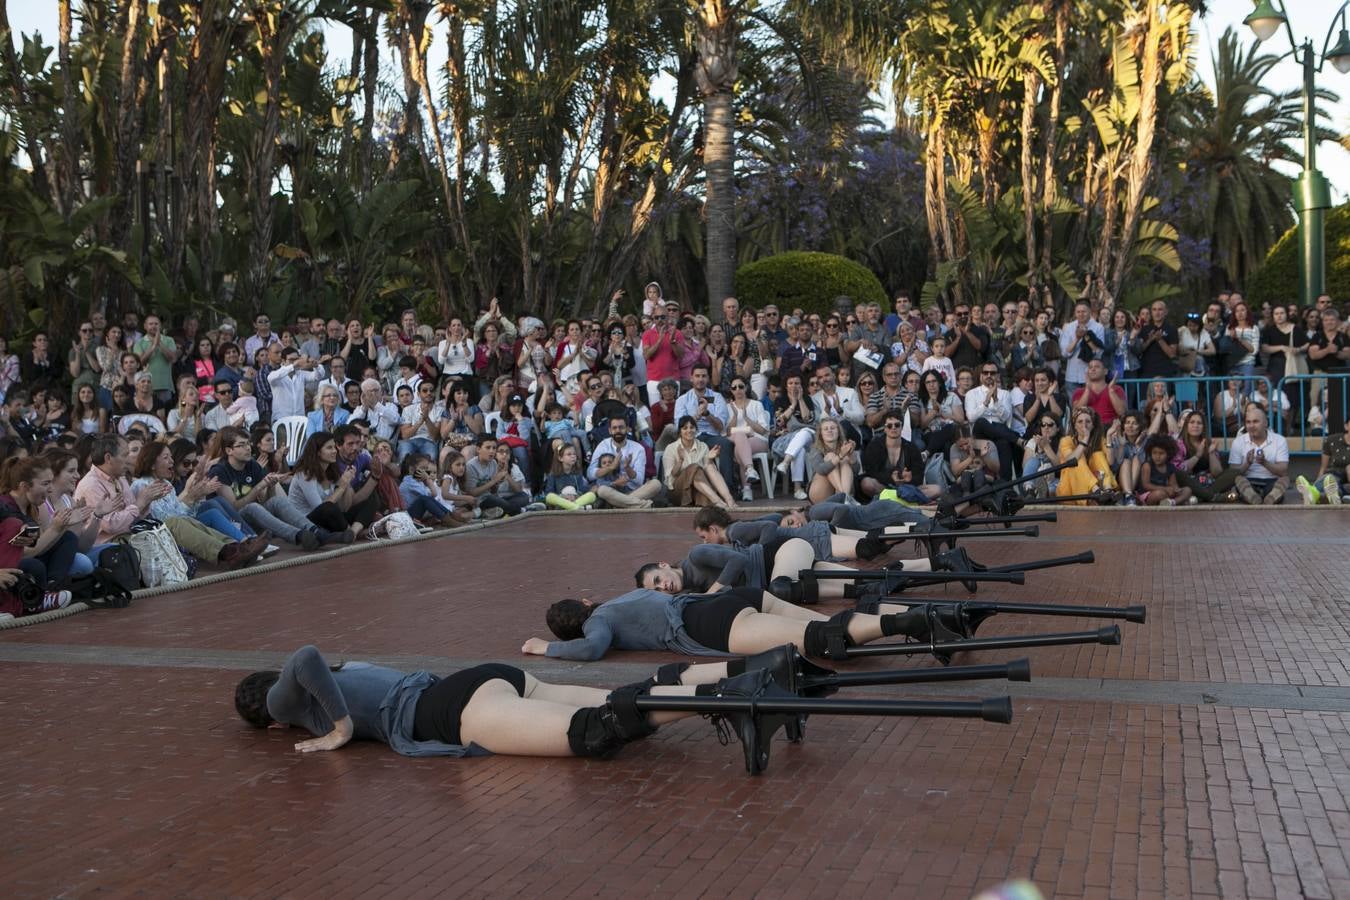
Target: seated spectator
x=566 y=486
x=890 y=462
x=690 y=467
x=452 y=491
x=324 y=494
x=748 y=429
x=1329 y=484
x=187 y=416
x=990 y=414
x=379 y=414
x=1085 y=443
x=421 y=419
x=1229 y=407
x=831 y=461
x=65 y=467
x=494 y=480
x=1198 y=462
x=418 y=491
x=328 y=413
x=1107 y=400
x=254 y=492
x=1041 y=452
x=183 y=513
x=461 y=420
x=708 y=409
x=86 y=416
x=1158 y=477
x=1125 y=450
x=619 y=470
x=970 y=455
x=663 y=413
x=48 y=551
x=1160 y=409
x=939 y=415
x=515 y=430
x=1261 y=458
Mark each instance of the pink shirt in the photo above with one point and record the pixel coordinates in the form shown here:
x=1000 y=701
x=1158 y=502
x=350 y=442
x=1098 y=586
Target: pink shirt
x=665 y=362
x=94 y=488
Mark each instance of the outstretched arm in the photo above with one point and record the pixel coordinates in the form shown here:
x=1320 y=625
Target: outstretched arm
x=591 y=647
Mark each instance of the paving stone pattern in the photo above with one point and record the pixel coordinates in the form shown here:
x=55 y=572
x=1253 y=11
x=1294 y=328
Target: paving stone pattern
x=135 y=778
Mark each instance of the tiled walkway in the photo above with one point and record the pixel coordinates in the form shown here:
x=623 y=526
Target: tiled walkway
x=1207 y=755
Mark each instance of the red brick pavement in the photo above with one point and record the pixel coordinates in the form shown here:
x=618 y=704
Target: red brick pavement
x=140 y=780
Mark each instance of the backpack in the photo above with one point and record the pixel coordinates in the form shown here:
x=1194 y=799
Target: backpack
x=116 y=574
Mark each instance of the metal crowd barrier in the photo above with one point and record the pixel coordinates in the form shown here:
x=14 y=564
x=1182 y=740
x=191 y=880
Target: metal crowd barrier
x=1315 y=407
x=1198 y=392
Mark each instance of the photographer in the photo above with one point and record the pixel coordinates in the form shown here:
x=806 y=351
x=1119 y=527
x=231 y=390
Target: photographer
x=1080 y=342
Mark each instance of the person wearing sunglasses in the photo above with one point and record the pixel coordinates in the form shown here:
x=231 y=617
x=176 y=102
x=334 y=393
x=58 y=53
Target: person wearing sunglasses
x=990 y=412
x=748 y=428
x=892 y=463
x=1042 y=452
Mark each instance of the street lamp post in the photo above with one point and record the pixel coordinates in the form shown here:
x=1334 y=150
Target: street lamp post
x=1312 y=195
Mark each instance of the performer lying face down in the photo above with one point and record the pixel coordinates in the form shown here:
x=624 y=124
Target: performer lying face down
x=838 y=512
x=736 y=621
x=491 y=708
x=714 y=526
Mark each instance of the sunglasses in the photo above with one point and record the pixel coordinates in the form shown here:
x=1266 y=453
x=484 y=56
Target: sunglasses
x=889 y=425
x=833 y=326
x=989 y=371
x=738 y=387
x=1047 y=424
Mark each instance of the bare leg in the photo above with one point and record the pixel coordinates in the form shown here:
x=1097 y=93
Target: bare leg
x=821 y=487
x=700 y=484
x=719 y=484
x=704 y=673
x=793 y=555
x=844 y=546
x=842 y=478
x=753 y=632
x=773 y=606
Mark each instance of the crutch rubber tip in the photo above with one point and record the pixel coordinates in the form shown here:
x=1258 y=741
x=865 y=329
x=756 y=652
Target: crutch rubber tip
x=1018 y=577
x=1108 y=635
x=1033 y=531
x=996 y=709
x=1019 y=670
x=1136 y=614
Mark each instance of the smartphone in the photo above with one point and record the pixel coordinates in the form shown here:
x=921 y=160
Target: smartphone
x=26 y=536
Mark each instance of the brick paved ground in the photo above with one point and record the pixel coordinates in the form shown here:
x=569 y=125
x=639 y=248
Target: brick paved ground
x=1208 y=755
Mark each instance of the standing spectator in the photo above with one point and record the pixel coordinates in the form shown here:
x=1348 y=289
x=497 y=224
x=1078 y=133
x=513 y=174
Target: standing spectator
x=1026 y=351
x=311 y=344
x=262 y=335
x=1196 y=352
x=708 y=409
x=1119 y=350
x=903 y=312
x=1157 y=344
x=619 y=470
x=82 y=360
x=970 y=341
x=1329 y=352
x=1246 y=338
x=870 y=335
x=38 y=366
x=990 y=413
x=1261 y=458
x=201 y=360
x=359 y=352
x=9 y=369
x=456 y=355
x=1080 y=342
x=1284 y=345
x=287 y=383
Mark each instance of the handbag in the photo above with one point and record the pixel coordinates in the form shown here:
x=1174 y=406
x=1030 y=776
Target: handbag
x=393 y=527
x=161 y=562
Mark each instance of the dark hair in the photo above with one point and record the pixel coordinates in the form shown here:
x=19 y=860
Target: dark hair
x=311 y=465
x=144 y=466
x=181 y=448
x=103 y=446
x=58 y=458
x=641 y=573
x=340 y=433
x=226 y=347
x=924 y=396
x=18 y=469
x=250 y=698
x=703 y=366
x=709 y=516
x=685 y=420
x=566 y=618
x=486 y=437
x=411 y=462
x=1160 y=440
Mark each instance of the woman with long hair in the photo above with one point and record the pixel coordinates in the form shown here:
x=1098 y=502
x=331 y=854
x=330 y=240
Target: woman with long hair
x=736 y=363
x=794 y=430
x=830 y=347
x=1086 y=444
x=201 y=363
x=748 y=428
x=324 y=495
x=1247 y=336
x=691 y=470
x=1117 y=352
x=1198 y=460
x=831 y=461
x=1125 y=449
x=48 y=551
x=940 y=414
x=86 y=416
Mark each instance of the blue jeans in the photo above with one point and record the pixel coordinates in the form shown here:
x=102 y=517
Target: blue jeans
x=427 y=508
x=417 y=445
x=214 y=518
x=81 y=565
x=52 y=567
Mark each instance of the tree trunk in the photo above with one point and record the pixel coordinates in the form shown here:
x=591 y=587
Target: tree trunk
x=371 y=76
x=1049 y=181
x=272 y=47
x=716 y=76
x=71 y=188
x=1031 y=83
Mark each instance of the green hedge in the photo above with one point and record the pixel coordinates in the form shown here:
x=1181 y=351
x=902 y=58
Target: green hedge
x=1277 y=279
x=807 y=279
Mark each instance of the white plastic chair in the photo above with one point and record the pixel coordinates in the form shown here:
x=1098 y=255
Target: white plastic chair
x=151 y=423
x=291 y=432
x=767 y=473
x=490 y=422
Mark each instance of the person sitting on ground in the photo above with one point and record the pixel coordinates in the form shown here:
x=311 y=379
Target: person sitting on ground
x=50 y=551
x=734 y=622
x=418 y=490
x=1198 y=462
x=973 y=461
x=205 y=530
x=321 y=493
x=1261 y=458
x=1158 y=484
x=893 y=463
x=1160 y=410
x=491 y=477
x=619 y=470
x=488 y=708
x=1085 y=443
x=566 y=486
x=255 y=495
x=714 y=526
x=1125 y=451
x=366 y=505
x=832 y=461
x=1332 y=474
x=453 y=475
x=691 y=474
x=65 y=467
x=1042 y=452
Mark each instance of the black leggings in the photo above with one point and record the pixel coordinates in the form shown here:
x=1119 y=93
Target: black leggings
x=330 y=517
x=438 y=709
x=708 y=622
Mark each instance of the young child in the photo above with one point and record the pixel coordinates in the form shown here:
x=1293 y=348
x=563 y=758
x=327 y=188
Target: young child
x=566 y=486
x=452 y=491
x=243 y=412
x=408 y=377
x=1158 y=480
x=938 y=360
x=418 y=490
x=606 y=459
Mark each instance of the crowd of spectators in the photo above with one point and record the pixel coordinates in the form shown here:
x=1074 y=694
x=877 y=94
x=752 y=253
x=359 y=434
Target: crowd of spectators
x=498 y=415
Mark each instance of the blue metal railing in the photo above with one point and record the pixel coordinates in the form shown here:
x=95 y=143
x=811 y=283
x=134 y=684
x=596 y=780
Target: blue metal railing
x=1314 y=407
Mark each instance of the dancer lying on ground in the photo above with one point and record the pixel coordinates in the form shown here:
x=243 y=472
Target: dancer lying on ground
x=841 y=513
x=737 y=621
x=714 y=526
x=491 y=708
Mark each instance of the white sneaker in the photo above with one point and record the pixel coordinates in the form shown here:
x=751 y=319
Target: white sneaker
x=784 y=465
x=536 y=507
x=747 y=494
x=1332 y=491
x=751 y=475
x=5 y=617
x=269 y=550
x=55 y=600
x=493 y=512
x=799 y=494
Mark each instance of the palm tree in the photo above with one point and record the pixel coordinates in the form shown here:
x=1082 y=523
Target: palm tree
x=1235 y=135
x=715 y=73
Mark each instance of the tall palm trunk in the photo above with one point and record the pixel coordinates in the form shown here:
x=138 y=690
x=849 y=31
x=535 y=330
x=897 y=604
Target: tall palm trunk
x=715 y=74
x=273 y=43
x=1049 y=181
x=71 y=189
x=1031 y=83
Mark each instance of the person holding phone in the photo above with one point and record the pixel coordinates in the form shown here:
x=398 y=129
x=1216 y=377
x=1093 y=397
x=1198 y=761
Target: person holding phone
x=48 y=553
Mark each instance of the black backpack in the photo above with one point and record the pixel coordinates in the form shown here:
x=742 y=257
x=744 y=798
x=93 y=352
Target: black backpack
x=109 y=586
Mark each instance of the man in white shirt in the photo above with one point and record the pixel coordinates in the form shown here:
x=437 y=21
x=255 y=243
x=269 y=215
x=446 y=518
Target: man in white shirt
x=709 y=411
x=839 y=403
x=1080 y=338
x=382 y=416
x=288 y=384
x=989 y=410
x=337 y=376
x=1262 y=458
x=421 y=424
x=622 y=478
x=262 y=337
